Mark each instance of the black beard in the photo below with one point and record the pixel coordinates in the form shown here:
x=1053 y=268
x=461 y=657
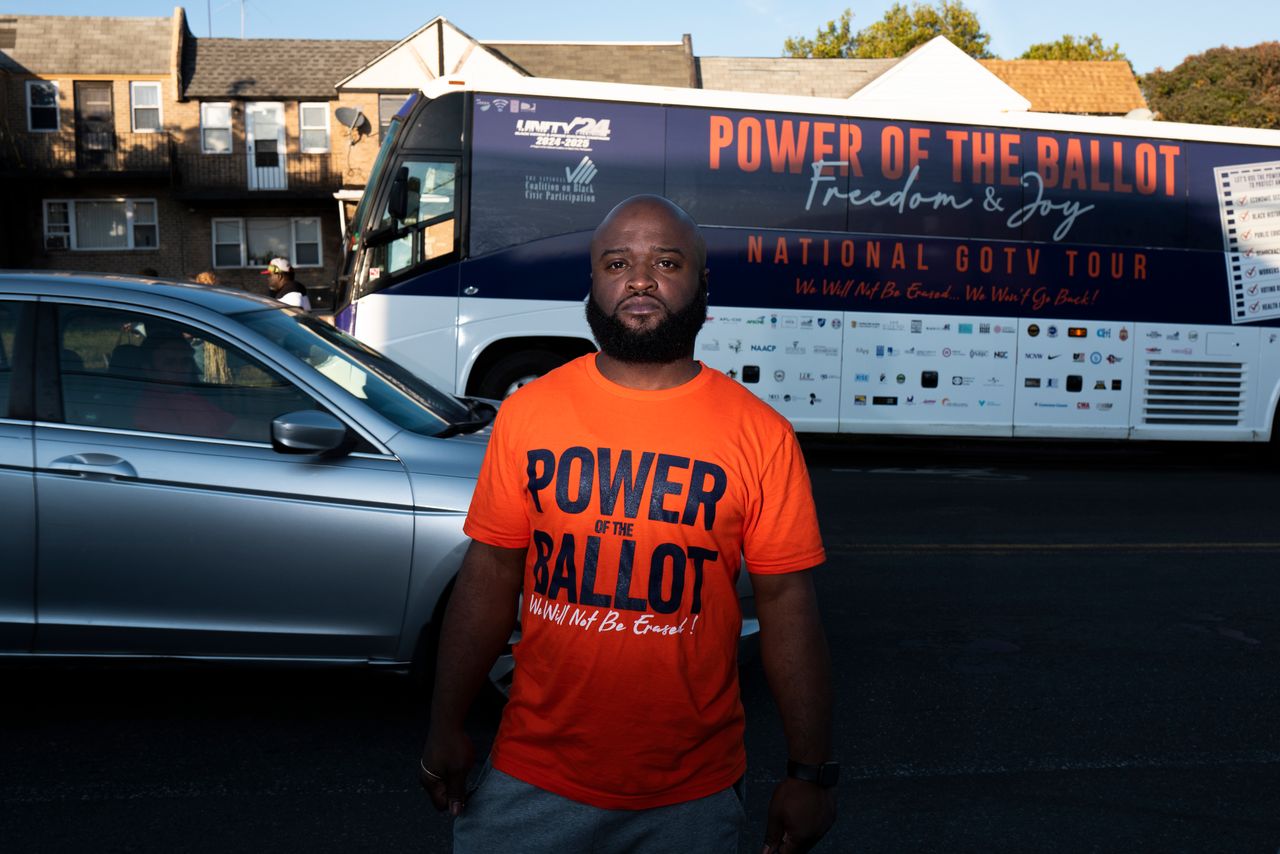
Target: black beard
x=671 y=340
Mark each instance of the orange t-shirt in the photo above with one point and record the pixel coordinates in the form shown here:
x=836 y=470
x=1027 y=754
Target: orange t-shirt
x=637 y=508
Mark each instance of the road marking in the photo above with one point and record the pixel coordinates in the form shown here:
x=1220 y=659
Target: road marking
x=1065 y=765
x=957 y=473
x=986 y=548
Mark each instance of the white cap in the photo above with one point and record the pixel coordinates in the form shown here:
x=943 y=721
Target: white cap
x=278 y=265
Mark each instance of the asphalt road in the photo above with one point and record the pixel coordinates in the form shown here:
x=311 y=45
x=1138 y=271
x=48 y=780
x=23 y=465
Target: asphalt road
x=1036 y=647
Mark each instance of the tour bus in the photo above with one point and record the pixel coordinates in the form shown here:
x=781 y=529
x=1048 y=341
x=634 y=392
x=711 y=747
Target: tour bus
x=921 y=272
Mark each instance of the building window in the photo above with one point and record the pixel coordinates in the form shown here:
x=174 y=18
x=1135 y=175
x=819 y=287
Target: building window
x=145 y=99
x=42 y=106
x=255 y=241
x=101 y=225
x=57 y=225
x=388 y=106
x=313 y=121
x=306 y=242
x=215 y=128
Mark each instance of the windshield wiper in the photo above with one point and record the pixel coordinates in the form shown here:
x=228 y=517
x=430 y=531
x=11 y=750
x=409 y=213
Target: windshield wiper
x=456 y=427
x=485 y=410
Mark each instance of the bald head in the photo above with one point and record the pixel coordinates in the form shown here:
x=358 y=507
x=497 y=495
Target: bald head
x=650 y=211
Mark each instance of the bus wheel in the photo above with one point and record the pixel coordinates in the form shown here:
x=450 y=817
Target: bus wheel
x=513 y=371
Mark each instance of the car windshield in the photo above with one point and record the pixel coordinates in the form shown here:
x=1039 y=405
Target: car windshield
x=388 y=388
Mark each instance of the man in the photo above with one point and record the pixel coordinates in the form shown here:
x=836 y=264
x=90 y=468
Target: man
x=619 y=497
x=283 y=286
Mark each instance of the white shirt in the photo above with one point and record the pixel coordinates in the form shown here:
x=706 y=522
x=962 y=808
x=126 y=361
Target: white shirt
x=295 y=298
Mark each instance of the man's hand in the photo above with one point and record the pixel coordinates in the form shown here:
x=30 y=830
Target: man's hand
x=797 y=665
x=446 y=760
x=477 y=625
x=800 y=814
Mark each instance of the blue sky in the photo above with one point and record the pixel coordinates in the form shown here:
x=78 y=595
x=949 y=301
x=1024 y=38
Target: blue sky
x=1151 y=33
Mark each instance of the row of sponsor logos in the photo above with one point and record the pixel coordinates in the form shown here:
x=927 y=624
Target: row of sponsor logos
x=779 y=321
x=980 y=403
x=1094 y=358
x=811 y=398
x=888 y=351
x=795 y=348
x=919 y=326
x=751 y=374
x=912 y=400
x=1052 y=331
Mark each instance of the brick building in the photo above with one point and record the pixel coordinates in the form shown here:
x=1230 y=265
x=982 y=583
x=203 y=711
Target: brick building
x=130 y=146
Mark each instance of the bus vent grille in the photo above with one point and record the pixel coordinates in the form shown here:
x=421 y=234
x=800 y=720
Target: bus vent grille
x=1194 y=393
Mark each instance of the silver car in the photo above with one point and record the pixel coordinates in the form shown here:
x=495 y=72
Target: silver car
x=200 y=473
x=190 y=472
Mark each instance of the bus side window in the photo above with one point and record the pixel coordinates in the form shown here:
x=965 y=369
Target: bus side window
x=429 y=218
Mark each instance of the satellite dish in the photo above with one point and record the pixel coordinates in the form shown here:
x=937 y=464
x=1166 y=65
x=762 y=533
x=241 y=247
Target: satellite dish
x=353 y=118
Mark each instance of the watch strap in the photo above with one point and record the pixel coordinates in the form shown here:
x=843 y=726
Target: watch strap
x=826 y=774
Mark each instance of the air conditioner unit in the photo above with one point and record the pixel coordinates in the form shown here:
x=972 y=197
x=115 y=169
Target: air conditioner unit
x=55 y=241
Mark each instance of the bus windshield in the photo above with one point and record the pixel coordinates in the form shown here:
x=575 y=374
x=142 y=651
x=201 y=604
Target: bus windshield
x=375 y=175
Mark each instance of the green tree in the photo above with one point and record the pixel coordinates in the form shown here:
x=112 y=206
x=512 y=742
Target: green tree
x=1237 y=86
x=831 y=42
x=1075 y=48
x=895 y=34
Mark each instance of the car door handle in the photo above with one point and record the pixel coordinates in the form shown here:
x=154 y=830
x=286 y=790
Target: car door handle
x=104 y=465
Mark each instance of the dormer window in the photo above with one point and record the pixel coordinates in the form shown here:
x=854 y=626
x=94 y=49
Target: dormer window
x=145 y=99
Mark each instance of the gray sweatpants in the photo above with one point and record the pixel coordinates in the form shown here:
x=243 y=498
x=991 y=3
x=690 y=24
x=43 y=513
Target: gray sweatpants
x=511 y=816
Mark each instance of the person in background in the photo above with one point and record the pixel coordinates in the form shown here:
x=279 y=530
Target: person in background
x=283 y=286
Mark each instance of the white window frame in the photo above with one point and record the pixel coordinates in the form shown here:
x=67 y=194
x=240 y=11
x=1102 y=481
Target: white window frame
x=303 y=127
x=241 y=223
x=73 y=238
x=213 y=243
x=57 y=106
x=204 y=126
x=134 y=85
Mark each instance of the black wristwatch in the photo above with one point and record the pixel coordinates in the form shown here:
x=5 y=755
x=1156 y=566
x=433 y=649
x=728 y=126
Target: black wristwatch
x=826 y=775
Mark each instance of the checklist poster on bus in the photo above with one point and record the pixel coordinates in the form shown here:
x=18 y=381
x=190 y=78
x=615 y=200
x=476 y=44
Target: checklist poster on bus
x=1249 y=201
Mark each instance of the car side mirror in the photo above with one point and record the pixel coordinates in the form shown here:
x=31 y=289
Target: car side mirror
x=310 y=431
x=398 y=202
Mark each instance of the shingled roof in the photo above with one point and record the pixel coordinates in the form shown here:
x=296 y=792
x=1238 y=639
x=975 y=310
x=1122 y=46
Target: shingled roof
x=1058 y=86
x=273 y=68
x=659 y=64
x=55 y=44
x=821 y=78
